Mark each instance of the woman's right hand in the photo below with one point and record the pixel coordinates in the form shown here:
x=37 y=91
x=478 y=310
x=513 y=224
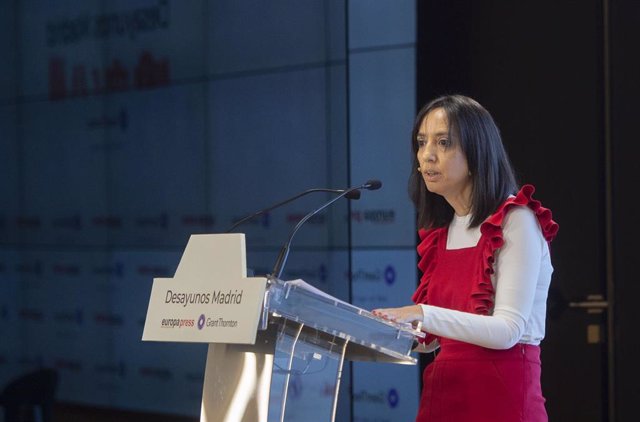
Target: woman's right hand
x=411 y=314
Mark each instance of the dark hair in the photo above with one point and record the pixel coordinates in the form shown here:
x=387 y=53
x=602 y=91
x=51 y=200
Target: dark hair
x=493 y=179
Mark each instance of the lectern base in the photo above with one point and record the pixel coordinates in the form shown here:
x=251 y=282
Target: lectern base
x=290 y=374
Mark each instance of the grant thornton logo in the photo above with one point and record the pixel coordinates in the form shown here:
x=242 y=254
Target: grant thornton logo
x=390 y=275
x=201 y=322
x=393 y=398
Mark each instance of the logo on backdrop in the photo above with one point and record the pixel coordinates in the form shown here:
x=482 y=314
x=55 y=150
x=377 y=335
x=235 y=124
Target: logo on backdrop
x=160 y=221
x=81 y=79
x=28 y=222
x=69 y=317
x=390 y=275
x=125 y=23
x=107 y=221
x=73 y=222
x=115 y=369
x=158 y=373
x=108 y=319
x=380 y=216
x=201 y=322
x=264 y=221
x=64 y=269
x=31 y=314
x=29 y=268
x=120 y=120
x=116 y=269
x=316 y=220
x=393 y=398
x=375 y=275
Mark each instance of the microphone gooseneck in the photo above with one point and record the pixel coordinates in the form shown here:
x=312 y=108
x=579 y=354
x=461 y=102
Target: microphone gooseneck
x=284 y=251
x=349 y=195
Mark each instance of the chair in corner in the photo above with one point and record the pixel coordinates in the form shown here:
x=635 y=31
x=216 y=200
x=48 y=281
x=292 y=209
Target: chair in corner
x=30 y=397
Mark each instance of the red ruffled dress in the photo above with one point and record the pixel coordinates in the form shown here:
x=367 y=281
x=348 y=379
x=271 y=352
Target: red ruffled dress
x=466 y=382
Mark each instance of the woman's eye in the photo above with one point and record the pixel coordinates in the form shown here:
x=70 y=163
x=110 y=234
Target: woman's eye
x=444 y=142
x=421 y=143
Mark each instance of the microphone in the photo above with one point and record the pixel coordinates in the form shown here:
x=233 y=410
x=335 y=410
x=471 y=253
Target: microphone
x=349 y=195
x=284 y=251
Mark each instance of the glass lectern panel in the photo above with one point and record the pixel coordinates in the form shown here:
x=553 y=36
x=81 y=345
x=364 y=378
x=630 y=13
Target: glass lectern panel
x=298 y=301
x=305 y=366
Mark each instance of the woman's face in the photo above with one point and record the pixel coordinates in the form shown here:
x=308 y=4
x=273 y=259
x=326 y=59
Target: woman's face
x=442 y=163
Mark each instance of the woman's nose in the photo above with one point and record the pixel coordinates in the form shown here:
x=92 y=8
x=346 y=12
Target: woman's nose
x=428 y=155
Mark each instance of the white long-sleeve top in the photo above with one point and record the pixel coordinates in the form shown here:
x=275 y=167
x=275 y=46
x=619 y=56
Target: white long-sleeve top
x=522 y=273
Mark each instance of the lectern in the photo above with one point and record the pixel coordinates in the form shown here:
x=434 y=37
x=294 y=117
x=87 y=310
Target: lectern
x=266 y=337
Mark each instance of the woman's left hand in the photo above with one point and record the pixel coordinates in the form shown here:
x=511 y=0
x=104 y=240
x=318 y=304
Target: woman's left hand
x=411 y=314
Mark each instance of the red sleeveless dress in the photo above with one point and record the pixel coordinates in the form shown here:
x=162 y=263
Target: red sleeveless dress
x=466 y=382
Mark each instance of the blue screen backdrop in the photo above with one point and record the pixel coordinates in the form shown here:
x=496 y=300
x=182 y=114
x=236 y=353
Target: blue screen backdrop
x=126 y=126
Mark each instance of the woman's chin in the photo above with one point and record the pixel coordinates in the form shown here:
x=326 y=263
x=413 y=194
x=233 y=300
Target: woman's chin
x=432 y=187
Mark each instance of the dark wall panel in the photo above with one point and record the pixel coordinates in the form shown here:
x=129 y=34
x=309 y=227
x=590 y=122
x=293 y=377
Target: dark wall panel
x=625 y=91
x=538 y=69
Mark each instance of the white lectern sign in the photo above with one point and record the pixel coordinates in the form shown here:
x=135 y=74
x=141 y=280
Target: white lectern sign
x=210 y=299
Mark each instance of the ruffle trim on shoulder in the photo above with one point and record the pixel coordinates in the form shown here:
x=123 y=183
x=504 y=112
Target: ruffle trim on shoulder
x=491 y=229
x=427 y=250
x=493 y=224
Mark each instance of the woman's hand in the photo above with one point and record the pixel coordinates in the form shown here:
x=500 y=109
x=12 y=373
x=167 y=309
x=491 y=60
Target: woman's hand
x=411 y=314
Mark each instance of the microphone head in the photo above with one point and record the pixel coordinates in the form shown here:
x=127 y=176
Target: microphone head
x=354 y=194
x=372 y=185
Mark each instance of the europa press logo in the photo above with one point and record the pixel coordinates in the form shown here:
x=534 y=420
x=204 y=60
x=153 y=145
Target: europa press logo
x=201 y=322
